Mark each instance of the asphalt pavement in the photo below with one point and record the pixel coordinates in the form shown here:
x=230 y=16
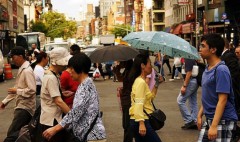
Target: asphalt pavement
x=109 y=103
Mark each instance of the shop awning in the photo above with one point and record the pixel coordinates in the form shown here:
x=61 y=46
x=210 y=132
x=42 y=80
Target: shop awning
x=216 y=25
x=187 y=28
x=177 y=30
x=167 y=29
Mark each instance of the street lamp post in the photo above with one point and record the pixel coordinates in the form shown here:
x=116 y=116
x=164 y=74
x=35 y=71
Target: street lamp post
x=196 y=32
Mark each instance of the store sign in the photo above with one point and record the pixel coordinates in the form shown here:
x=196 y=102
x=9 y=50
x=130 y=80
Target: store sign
x=14 y=7
x=15 y=22
x=214 y=4
x=224 y=16
x=183 y=2
x=2 y=34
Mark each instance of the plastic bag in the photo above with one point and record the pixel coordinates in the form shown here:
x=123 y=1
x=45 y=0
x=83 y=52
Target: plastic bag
x=96 y=73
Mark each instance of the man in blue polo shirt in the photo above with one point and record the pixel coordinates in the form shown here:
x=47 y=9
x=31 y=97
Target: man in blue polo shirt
x=217 y=94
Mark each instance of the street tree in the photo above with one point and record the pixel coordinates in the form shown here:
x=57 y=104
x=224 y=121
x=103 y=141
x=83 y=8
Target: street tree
x=38 y=26
x=58 y=26
x=120 y=30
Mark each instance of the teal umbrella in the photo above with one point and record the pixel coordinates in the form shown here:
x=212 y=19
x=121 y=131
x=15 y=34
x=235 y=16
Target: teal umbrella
x=168 y=44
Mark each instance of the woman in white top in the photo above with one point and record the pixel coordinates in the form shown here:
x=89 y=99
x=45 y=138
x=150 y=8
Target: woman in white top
x=42 y=61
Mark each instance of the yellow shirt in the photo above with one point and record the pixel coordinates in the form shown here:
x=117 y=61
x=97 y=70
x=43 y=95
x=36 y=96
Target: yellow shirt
x=141 y=97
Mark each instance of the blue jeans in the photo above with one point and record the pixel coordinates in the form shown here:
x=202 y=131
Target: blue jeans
x=151 y=135
x=190 y=94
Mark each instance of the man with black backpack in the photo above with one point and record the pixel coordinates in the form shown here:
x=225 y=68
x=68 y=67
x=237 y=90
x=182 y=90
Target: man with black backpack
x=188 y=92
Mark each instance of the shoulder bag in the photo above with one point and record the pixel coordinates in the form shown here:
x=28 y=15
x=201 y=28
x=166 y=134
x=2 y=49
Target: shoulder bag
x=156 y=118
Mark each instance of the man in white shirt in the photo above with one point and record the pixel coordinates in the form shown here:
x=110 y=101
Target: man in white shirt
x=24 y=92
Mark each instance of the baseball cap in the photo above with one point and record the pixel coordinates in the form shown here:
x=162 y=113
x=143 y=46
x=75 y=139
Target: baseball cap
x=59 y=56
x=18 y=50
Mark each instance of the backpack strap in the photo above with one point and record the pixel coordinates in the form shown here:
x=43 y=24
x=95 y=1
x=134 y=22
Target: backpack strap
x=215 y=76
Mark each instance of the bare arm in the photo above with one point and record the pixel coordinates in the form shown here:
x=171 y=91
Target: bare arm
x=186 y=81
x=222 y=101
x=59 y=102
x=199 y=118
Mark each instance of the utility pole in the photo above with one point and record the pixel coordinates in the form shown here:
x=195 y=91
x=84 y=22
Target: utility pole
x=196 y=32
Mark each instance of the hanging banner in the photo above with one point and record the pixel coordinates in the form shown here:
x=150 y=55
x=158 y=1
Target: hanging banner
x=183 y=2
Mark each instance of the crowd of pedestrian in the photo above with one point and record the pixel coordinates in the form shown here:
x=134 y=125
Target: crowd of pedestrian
x=59 y=83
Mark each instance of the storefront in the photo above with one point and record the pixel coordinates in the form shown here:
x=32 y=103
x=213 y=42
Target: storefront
x=4 y=35
x=177 y=30
x=187 y=30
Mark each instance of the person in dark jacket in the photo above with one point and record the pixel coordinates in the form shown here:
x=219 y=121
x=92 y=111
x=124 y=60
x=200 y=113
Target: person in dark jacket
x=126 y=102
x=232 y=62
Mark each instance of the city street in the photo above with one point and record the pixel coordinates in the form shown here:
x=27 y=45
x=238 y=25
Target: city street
x=166 y=100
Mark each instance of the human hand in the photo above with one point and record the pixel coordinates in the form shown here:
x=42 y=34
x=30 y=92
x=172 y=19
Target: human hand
x=67 y=93
x=12 y=90
x=183 y=90
x=212 y=133
x=49 y=133
x=2 y=105
x=142 y=128
x=158 y=79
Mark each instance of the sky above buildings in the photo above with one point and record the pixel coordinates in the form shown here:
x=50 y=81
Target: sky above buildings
x=72 y=8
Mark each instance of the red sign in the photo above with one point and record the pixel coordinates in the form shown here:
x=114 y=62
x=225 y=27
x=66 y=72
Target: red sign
x=14 y=6
x=15 y=22
x=183 y=2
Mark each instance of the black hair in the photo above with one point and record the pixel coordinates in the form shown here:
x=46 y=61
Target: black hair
x=18 y=50
x=80 y=62
x=214 y=41
x=75 y=49
x=40 y=56
x=21 y=41
x=136 y=67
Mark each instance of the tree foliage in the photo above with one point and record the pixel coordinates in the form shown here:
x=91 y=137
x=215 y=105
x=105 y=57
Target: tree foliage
x=58 y=26
x=120 y=30
x=38 y=26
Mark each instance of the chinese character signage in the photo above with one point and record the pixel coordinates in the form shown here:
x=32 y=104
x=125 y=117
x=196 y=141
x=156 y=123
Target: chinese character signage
x=183 y=2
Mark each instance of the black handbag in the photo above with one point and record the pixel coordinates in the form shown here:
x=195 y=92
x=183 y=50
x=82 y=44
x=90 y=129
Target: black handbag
x=156 y=118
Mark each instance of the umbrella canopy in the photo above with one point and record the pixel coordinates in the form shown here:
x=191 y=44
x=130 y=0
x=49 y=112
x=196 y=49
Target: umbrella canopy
x=168 y=44
x=113 y=53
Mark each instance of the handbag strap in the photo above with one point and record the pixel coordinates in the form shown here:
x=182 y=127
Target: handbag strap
x=60 y=90
x=145 y=110
x=90 y=128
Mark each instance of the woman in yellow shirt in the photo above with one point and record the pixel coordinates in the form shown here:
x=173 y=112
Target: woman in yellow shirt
x=141 y=98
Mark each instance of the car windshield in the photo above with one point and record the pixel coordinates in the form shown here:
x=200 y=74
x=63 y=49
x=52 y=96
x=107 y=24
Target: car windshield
x=49 y=47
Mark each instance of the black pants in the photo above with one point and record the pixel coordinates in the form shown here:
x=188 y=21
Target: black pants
x=168 y=64
x=21 y=118
x=173 y=71
x=128 y=135
x=58 y=137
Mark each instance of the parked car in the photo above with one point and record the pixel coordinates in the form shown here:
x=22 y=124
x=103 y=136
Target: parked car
x=1 y=67
x=50 y=46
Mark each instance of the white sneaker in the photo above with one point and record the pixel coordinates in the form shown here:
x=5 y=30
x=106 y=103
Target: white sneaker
x=177 y=78
x=171 y=79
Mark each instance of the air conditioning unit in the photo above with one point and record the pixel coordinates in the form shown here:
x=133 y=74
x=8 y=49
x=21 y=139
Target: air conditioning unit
x=174 y=2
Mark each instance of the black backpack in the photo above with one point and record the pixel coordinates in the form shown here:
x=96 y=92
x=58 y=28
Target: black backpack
x=201 y=68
